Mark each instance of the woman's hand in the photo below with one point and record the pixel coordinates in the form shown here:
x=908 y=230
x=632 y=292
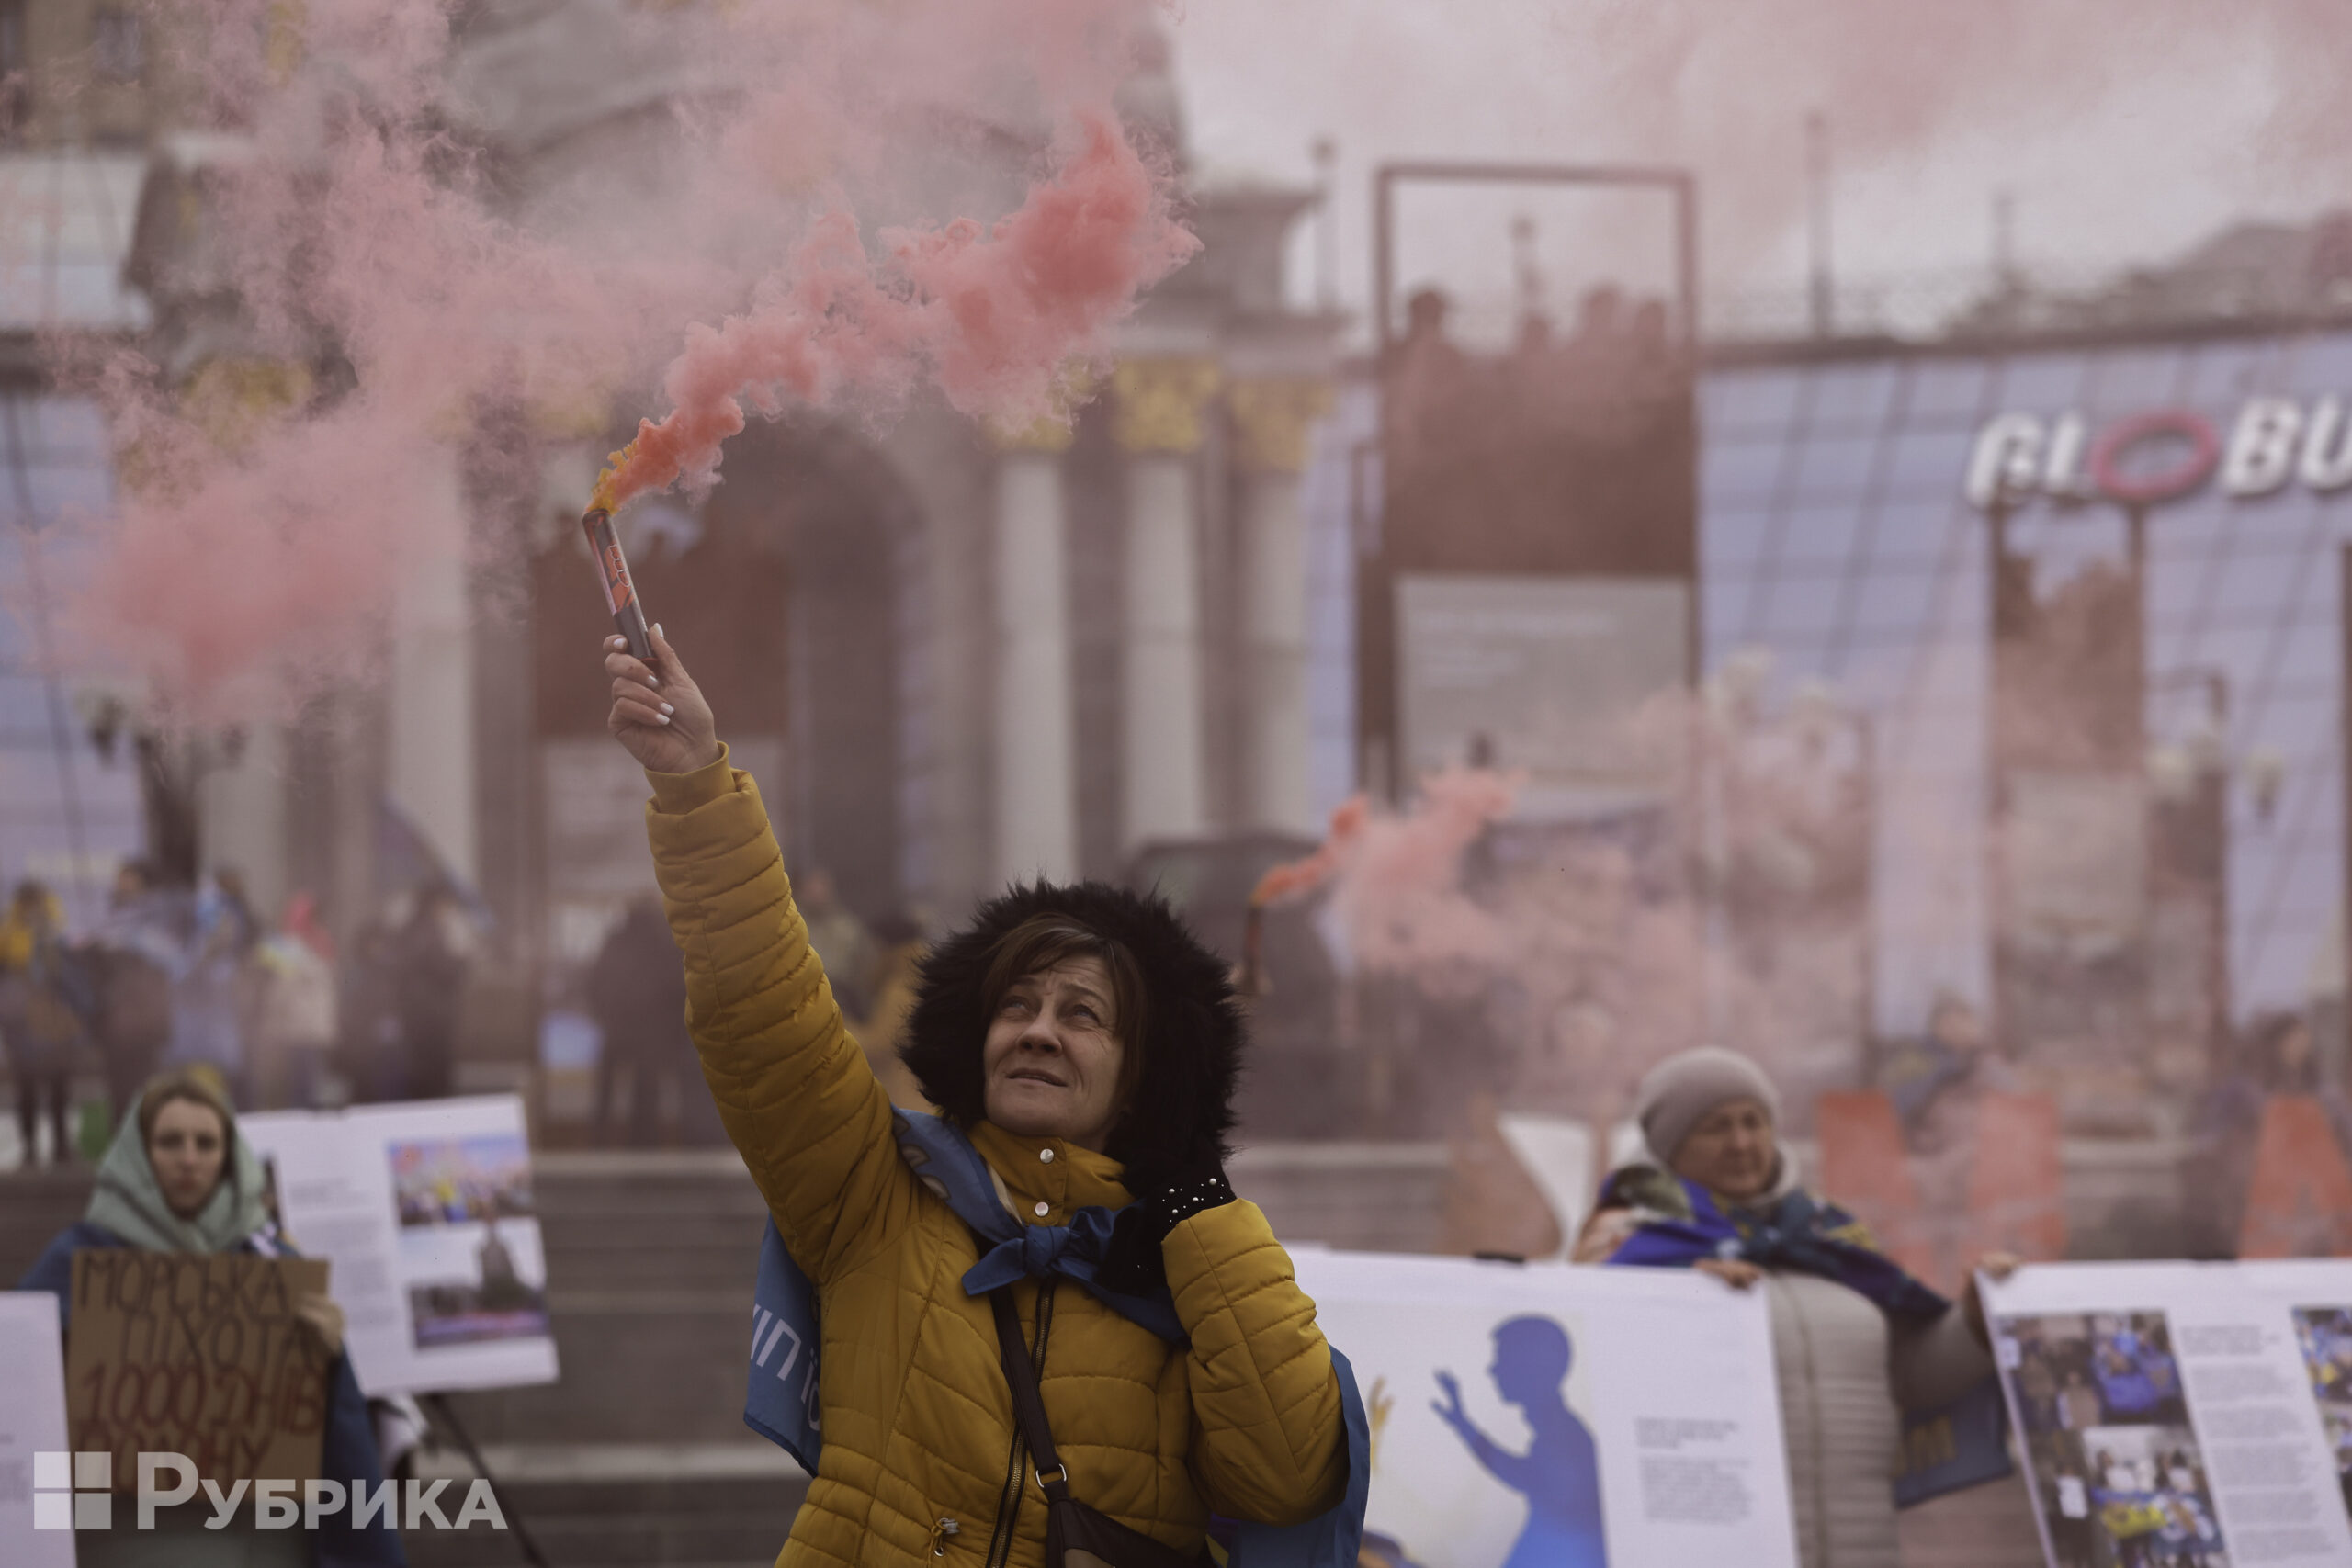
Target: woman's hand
x=1603 y=1234
x=658 y=715
x=1999 y=1266
x=1735 y=1272
x=324 y=1319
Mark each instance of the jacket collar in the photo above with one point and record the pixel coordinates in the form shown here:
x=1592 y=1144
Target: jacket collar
x=1052 y=1171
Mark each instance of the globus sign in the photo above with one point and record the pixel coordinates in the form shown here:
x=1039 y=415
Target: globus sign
x=2150 y=459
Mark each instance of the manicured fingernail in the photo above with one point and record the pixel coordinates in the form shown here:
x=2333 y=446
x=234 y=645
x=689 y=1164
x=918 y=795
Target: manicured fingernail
x=667 y=708
x=660 y=633
x=660 y=718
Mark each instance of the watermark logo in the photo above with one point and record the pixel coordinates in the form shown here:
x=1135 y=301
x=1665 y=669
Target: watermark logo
x=75 y=1491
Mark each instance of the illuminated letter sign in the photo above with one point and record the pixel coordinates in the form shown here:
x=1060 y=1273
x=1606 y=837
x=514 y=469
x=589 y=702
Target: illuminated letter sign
x=2007 y=459
x=2115 y=478
x=2161 y=456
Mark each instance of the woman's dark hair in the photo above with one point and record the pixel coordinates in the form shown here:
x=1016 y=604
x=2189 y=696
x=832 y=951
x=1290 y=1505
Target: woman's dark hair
x=1178 y=1018
x=1042 y=942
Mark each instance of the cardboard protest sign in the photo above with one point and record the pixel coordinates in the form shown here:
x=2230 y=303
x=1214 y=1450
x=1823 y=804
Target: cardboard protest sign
x=196 y=1354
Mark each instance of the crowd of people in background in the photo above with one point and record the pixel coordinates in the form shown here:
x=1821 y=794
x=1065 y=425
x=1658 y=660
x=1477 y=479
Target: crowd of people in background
x=171 y=977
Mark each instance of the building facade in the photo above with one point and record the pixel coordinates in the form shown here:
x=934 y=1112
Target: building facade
x=954 y=656
x=2148 y=821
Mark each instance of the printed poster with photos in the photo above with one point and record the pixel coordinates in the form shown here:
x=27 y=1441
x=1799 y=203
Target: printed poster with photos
x=427 y=1212
x=2182 y=1415
x=1563 y=1415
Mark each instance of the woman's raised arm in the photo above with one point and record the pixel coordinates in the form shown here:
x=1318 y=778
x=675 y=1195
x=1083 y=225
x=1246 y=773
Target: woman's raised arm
x=793 y=1088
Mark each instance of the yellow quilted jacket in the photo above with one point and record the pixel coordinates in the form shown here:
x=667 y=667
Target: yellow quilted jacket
x=917 y=1420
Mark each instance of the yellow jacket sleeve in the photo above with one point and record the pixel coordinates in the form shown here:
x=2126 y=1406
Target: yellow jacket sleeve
x=793 y=1088
x=1269 y=1444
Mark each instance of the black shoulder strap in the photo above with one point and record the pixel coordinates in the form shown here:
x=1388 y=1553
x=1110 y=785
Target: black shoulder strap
x=1028 y=1404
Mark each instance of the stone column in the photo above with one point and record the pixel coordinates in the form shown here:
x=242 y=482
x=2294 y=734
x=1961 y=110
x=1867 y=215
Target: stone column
x=1272 y=418
x=1157 y=422
x=243 y=819
x=429 y=700
x=1036 y=775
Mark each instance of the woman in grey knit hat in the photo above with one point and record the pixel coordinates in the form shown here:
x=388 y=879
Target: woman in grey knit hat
x=1855 y=1339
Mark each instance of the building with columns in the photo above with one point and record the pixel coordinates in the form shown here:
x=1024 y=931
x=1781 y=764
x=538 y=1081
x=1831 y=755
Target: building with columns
x=955 y=656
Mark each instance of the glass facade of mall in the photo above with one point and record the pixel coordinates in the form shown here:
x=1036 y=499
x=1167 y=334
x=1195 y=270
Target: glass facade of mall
x=1836 y=534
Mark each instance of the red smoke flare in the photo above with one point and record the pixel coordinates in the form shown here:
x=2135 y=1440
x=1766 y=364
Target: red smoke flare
x=991 y=313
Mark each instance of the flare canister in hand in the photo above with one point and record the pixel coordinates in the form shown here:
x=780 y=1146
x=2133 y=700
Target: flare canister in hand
x=620 y=589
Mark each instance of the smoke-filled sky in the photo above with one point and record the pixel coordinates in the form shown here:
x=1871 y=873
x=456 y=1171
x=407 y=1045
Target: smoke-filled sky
x=2128 y=130
x=740 y=245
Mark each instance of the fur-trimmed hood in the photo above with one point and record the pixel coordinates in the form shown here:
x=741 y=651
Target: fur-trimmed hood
x=1192 y=1029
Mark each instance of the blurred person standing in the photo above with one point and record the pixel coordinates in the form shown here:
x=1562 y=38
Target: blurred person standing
x=208 y=1010
x=39 y=1021
x=367 y=1020
x=1855 y=1339
x=431 y=957
x=1938 y=1080
x=1939 y=1083
x=135 y=960
x=843 y=944
x=290 y=1012
x=637 y=994
x=2273 y=1056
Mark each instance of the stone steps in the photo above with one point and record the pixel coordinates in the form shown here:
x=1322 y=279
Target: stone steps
x=588 y=1505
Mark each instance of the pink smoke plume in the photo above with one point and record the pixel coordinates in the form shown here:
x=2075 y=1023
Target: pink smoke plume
x=406 y=343
x=989 y=311
x=1397 y=878
x=1729 y=908
x=1297 y=878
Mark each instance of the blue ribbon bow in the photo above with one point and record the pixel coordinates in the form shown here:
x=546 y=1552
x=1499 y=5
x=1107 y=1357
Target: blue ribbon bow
x=1075 y=1252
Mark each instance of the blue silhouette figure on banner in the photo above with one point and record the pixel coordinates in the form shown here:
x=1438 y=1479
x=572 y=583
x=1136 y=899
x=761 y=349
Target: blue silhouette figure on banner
x=1560 y=1472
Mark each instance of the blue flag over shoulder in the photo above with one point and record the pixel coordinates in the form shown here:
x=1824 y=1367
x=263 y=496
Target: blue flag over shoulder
x=781 y=1401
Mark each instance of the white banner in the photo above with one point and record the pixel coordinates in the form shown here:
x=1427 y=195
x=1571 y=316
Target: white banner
x=1544 y=673
x=1561 y=1417
x=36 y=1494
x=427 y=1212
x=2196 y=1415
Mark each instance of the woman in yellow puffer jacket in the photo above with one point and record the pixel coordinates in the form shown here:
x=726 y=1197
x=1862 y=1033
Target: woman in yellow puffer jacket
x=1087 y=1048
